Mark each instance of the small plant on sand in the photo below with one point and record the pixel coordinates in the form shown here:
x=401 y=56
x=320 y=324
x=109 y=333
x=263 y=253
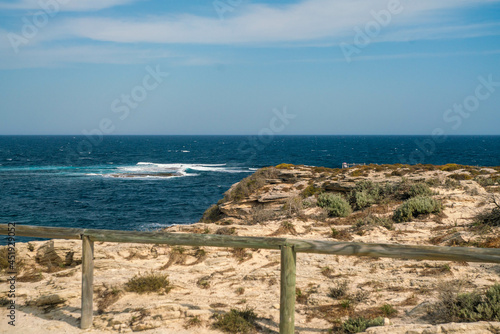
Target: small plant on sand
x=460 y=176
x=340 y=234
x=106 y=297
x=226 y=231
x=490 y=217
x=335 y=204
x=416 y=206
x=371 y=221
x=150 y=282
x=204 y=282
x=388 y=310
x=192 y=322
x=456 y=306
x=360 y=324
x=236 y=321
x=340 y=290
x=286 y=227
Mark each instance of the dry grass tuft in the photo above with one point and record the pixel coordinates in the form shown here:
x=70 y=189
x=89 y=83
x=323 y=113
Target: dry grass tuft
x=286 y=227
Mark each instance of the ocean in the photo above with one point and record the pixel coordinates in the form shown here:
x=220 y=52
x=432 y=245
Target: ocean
x=150 y=182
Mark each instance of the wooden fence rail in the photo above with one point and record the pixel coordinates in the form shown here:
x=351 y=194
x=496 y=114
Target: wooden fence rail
x=288 y=247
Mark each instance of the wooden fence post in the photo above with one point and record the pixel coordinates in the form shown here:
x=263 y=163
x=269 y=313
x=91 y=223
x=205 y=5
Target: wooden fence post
x=287 y=296
x=87 y=282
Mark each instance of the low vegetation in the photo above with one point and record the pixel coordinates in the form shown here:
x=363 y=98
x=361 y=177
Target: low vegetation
x=236 y=321
x=489 y=217
x=335 y=204
x=147 y=283
x=107 y=296
x=358 y=325
x=416 y=206
x=457 y=306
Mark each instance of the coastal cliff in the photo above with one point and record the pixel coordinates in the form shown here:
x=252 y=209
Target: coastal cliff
x=448 y=205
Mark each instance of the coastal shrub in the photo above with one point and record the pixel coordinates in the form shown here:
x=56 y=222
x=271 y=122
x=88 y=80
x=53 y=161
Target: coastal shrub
x=335 y=204
x=341 y=234
x=340 y=290
x=361 y=199
x=292 y=206
x=455 y=306
x=249 y=184
x=461 y=176
x=226 y=230
x=419 y=189
x=371 y=221
x=416 y=206
x=150 y=282
x=489 y=217
x=286 y=227
x=212 y=214
x=451 y=183
x=106 y=297
x=450 y=167
x=192 y=322
x=260 y=215
x=285 y=166
x=487 y=181
x=388 y=310
x=4 y=259
x=310 y=190
x=360 y=324
x=359 y=172
x=236 y=321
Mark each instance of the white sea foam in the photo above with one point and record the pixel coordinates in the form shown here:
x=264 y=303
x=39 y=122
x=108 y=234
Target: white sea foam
x=182 y=168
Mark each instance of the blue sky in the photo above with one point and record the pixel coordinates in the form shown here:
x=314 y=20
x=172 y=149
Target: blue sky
x=335 y=67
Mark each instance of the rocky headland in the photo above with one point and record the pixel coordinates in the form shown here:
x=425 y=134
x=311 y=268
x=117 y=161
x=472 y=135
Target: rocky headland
x=194 y=289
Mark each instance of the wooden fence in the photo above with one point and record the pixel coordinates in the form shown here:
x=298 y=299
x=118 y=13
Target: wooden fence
x=289 y=248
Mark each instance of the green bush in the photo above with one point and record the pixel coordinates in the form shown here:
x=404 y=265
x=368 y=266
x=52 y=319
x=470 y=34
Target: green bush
x=461 y=176
x=150 y=282
x=357 y=325
x=419 y=189
x=236 y=321
x=335 y=204
x=416 y=206
x=212 y=214
x=363 y=200
x=487 y=181
x=310 y=190
x=469 y=307
x=388 y=310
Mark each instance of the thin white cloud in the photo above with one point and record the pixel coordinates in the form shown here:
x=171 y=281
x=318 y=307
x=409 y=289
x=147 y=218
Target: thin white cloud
x=257 y=23
x=63 y=5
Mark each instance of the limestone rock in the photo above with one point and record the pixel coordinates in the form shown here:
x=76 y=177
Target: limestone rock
x=58 y=252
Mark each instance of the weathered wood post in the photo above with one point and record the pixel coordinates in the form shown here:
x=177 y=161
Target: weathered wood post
x=87 y=282
x=287 y=295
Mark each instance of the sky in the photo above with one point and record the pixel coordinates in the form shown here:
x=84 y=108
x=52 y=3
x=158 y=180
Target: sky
x=242 y=67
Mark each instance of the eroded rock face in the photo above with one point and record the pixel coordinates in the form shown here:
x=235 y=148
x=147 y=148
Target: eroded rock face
x=59 y=253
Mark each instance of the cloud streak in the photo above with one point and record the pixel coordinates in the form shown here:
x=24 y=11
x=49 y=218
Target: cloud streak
x=65 y=5
x=310 y=20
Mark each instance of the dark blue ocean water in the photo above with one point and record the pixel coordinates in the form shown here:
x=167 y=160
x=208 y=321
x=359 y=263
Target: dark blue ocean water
x=119 y=182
